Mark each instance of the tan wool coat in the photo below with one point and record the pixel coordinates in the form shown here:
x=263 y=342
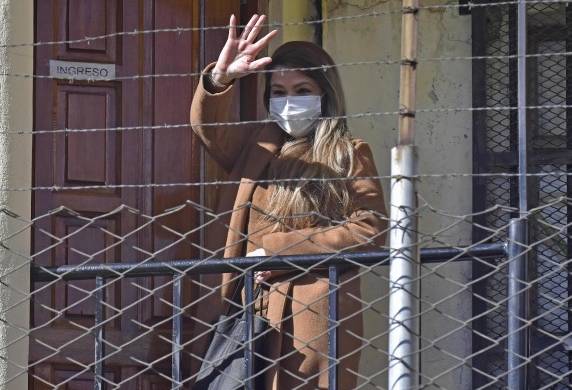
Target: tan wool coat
x=297 y=303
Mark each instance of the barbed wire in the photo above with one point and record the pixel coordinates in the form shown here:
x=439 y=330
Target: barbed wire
x=441 y=307
x=418 y=62
x=268 y=121
x=215 y=183
x=180 y=30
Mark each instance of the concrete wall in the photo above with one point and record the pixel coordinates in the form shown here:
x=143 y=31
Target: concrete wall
x=445 y=145
x=16 y=112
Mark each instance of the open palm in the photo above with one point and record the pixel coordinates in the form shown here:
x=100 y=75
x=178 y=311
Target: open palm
x=238 y=56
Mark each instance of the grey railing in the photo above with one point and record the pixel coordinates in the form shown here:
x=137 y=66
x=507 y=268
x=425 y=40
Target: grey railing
x=332 y=262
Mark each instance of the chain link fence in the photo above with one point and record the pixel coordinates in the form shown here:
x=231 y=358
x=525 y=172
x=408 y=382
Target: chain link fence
x=547 y=83
x=128 y=299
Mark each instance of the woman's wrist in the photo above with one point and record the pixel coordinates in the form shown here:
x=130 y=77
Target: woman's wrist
x=213 y=85
x=219 y=80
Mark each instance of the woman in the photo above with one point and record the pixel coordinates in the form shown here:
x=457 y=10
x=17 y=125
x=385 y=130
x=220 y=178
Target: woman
x=291 y=217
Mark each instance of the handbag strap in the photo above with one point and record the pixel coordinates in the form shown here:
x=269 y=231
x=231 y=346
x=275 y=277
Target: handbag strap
x=237 y=289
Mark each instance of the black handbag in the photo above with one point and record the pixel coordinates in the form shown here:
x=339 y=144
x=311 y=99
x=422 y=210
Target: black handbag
x=224 y=365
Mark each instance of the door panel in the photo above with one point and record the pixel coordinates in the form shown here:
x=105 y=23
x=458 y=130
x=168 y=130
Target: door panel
x=78 y=19
x=86 y=158
x=75 y=302
x=175 y=150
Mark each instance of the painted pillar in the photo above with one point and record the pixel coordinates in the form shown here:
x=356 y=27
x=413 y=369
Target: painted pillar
x=293 y=11
x=16 y=113
x=298 y=11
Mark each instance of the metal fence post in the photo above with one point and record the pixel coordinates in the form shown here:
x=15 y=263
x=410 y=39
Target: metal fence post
x=518 y=233
x=517 y=305
x=522 y=102
x=177 y=339
x=403 y=272
x=249 y=329
x=404 y=252
x=334 y=282
x=99 y=332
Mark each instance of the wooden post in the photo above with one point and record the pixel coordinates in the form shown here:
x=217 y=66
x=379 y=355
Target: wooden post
x=407 y=83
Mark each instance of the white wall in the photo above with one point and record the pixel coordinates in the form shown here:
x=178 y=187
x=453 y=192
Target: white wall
x=16 y=112
x=370 y=88
x=444 y=143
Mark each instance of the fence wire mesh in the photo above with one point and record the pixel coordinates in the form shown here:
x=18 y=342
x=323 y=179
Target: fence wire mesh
x=127 y=298
x=64 y=319
x=547 y=81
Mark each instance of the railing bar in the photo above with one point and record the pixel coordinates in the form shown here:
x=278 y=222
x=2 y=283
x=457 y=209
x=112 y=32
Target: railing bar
x=177 y=336
x=249 y=330
x=333 y=275
x=99 y=332
x=517 y=306
x=200 y=266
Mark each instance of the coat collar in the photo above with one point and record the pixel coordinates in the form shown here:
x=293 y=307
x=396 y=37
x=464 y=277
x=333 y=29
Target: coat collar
x=271 y=138
x=268 y=143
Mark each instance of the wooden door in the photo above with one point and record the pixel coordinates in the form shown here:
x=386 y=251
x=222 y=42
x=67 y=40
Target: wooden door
x=102 y=222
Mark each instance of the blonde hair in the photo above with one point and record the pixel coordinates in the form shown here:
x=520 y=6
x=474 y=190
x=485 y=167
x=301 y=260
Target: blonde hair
x=325 y=154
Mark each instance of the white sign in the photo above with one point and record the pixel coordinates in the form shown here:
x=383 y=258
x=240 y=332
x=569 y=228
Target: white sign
x=81 y=70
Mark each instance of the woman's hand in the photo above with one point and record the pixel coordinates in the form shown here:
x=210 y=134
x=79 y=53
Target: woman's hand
x=259 y=276
x=238 y=57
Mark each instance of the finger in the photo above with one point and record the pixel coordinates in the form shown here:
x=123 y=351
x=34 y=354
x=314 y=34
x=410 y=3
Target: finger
x=262 y=276
x=251 y=23
x=259 y=64
x=256 y=30
x=232 y=28
x=263 y=42
x=227 y=54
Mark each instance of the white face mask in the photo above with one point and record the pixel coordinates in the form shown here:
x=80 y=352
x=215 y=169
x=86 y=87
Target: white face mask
x=296 y=114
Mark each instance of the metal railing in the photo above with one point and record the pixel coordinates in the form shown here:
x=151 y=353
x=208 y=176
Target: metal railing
x=332 y=262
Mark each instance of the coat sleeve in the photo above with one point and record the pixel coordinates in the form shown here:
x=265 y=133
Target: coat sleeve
x=365 y=229
x=223 y=142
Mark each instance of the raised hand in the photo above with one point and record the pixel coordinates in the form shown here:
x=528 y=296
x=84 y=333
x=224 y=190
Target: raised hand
x=238 y=56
